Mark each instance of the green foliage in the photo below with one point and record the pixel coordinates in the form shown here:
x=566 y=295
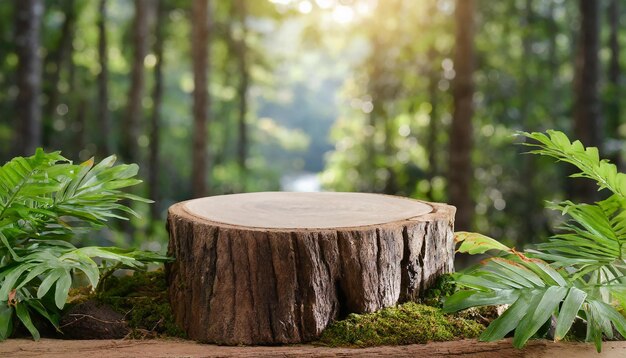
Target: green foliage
x=579 y=272
x=45 y=200
x=444 y=287
x=143 y=299
x=473 y=243
x=410 y=323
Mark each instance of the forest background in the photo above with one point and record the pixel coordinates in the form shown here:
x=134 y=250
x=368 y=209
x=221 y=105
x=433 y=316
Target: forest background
x=404 y=97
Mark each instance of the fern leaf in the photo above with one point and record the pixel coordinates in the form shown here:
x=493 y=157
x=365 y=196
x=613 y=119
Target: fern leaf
x=555 y=144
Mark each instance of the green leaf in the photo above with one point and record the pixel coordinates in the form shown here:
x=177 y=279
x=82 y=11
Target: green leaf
x=569 y=310
x=9 y=247
x=473 y=243
x=480 y=282
x=24 y=316
x=510 y=318
x=6 y=320
x=468 y=298
x=36 y=271
x=62 y=289
x=610 y=314
x=45 y=200
x=47 y=282
x=546 y=272
x=538 y=315
x=594 y=332
x=11 y=279
x=39 y=307
x=89 y=268
x=557 y=145
x=515 y=271
x=579 y=271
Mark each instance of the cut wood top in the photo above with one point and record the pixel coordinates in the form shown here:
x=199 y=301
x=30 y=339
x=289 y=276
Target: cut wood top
x=287 y=210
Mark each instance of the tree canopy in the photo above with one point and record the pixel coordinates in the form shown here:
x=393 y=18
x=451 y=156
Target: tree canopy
x=418 y=99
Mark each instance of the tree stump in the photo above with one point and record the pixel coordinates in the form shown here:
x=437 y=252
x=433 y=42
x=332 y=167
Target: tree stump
x=270 y=268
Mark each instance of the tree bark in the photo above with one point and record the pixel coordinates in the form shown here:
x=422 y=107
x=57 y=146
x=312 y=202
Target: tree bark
x=28 y=15
x=588 y=126
x=461 y=137
x=103 y=118
x=157 y=100
x=134 y=114
x=272 y=268
x=200 y=39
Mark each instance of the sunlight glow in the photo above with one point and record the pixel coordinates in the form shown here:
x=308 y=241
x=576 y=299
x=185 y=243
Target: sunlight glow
x=343 y=14
x=325 y=4
x=305 y=7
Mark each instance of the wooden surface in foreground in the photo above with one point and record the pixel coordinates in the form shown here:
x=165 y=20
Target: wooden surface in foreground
x=180 y=348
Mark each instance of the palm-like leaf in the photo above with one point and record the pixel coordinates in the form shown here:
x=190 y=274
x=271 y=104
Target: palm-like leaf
x=556 y=144
x=45 y=200
x=535 y=291
x=577 y=273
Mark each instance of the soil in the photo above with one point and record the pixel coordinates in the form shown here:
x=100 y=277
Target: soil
x=182 y=348
x=90 y=320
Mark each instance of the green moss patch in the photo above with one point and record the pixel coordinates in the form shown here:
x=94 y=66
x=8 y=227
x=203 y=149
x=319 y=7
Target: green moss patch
x=143 y=299
x=444 y=287
x=410 y=323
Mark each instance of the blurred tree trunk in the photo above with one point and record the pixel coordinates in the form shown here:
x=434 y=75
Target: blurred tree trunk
x=391 y=182
x=157 y=100
x=433 y=126
x=80 y=129
x=588 y=126
x=555 y=109
x=242 y=88
x=389 y=92
x=378 y=89
x=526 y=78
x=132 y=124
x=56 y=59
x=200 y=17
x=134 y=113
x=460 y=172
x=381 y=91
x=433 y=73
x=369 y=164
x=614 y=79
x=530 y=202
x=28 y=15
x=105 y=145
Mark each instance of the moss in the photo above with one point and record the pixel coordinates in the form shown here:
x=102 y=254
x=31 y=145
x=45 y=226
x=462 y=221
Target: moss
x=443 y=287
x=409 y=323
x=142 y=298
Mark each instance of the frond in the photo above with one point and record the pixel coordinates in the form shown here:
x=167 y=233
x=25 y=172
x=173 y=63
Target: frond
x=44 y=201
x=556 y=144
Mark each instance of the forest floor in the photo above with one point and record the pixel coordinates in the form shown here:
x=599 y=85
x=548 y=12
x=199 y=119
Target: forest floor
x=181 y=348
